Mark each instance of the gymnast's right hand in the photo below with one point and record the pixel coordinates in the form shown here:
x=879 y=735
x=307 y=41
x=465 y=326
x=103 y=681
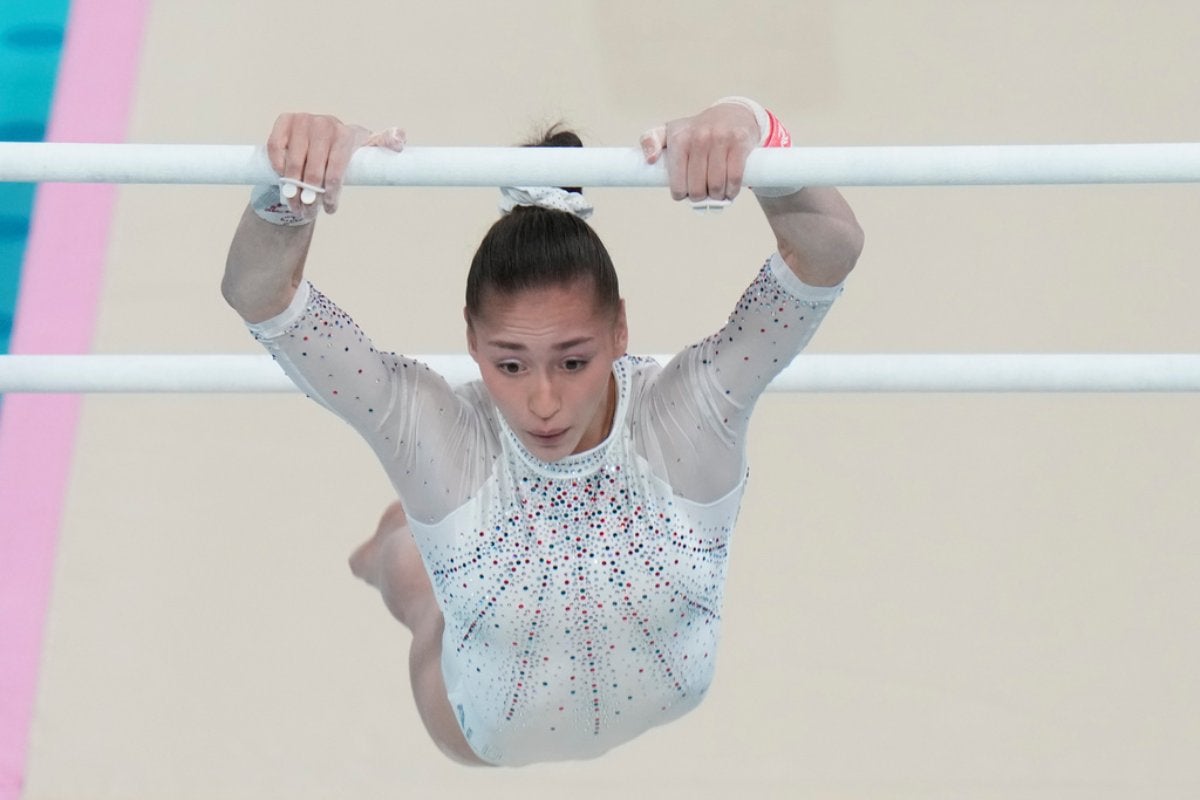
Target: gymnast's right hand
x=315 y=149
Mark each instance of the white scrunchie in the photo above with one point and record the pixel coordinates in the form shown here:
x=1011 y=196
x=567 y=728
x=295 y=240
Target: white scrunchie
x=550 y=197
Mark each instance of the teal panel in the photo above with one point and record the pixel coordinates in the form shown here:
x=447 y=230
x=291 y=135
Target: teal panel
x=31 y=38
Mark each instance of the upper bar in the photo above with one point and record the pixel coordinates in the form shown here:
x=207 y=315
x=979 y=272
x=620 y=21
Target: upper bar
x=601 y=166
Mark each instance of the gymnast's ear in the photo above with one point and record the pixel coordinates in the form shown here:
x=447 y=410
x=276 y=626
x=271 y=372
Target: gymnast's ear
x=470 y=335
x=621 y=329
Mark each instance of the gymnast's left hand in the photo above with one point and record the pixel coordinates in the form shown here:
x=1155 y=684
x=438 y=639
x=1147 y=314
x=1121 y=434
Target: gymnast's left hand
x=316 y=149
x=706 y=153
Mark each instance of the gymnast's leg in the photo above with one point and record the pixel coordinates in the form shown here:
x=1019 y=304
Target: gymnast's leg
x=390 y=562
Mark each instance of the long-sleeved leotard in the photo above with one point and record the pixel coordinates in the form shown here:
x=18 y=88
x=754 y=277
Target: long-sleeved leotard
x=582 y=596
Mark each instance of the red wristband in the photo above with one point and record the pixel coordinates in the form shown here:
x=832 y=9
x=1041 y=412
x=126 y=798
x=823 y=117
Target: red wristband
x=776 y=135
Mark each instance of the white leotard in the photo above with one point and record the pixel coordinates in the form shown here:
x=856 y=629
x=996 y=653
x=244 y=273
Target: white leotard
x=581 y=597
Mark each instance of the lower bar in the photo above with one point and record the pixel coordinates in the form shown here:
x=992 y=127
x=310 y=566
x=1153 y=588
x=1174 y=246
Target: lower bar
x=808 y=373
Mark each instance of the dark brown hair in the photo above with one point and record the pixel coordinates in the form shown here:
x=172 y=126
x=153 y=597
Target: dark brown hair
x=534 y=248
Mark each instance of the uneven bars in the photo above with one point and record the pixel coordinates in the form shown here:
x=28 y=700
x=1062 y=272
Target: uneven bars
x=601 y=166
x=808 y=373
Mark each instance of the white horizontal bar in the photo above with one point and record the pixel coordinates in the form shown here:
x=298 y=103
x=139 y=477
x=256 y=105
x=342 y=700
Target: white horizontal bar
x=808 y=373
x=599 y=166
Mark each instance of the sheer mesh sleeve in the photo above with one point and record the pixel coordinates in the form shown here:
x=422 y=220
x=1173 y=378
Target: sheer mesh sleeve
x=430 y=440
x=697 y=410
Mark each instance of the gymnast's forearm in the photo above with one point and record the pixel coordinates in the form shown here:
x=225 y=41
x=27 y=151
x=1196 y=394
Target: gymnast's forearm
x=816 y=233
x=264 y=266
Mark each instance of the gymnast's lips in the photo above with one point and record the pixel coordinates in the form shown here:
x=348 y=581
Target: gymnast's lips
x=550 y=437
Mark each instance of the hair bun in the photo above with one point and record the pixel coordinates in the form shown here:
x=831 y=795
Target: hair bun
x=559 y=135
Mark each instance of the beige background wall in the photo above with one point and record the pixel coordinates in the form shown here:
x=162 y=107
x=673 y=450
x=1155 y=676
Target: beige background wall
x=931 y=596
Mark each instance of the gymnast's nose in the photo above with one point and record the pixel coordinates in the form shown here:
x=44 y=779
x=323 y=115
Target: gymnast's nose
x=544 y=400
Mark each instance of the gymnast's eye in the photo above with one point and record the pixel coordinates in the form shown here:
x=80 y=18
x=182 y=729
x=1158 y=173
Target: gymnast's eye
x=574 y=364
x=509 y=367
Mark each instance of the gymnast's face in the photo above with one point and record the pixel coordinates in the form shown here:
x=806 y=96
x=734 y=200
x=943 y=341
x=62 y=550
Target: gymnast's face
x=546 y=358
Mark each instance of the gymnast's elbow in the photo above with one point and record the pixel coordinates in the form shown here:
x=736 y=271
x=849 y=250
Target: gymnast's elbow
x=825 y=255
x=848 y=239
x=252 y=297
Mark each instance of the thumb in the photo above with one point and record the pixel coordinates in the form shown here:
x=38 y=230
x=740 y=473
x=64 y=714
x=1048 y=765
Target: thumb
x=390 y=138
x=653 y=142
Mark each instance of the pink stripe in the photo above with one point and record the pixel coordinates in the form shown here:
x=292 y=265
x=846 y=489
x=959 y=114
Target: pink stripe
x=56 y=312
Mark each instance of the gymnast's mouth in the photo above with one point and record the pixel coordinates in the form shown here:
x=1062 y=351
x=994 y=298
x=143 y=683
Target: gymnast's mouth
x=549 y=437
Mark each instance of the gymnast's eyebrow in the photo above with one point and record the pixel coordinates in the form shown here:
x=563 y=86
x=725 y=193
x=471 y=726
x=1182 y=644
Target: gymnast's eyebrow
x=567 y=345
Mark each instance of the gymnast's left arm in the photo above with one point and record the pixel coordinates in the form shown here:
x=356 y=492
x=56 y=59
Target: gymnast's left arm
x=816 y=232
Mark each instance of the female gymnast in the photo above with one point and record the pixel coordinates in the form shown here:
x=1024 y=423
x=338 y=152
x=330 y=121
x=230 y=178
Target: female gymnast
x=559 y=547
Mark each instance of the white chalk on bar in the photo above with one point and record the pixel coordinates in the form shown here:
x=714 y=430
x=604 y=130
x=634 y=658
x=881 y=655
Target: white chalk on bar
x=600 y=166
x=808 y=373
